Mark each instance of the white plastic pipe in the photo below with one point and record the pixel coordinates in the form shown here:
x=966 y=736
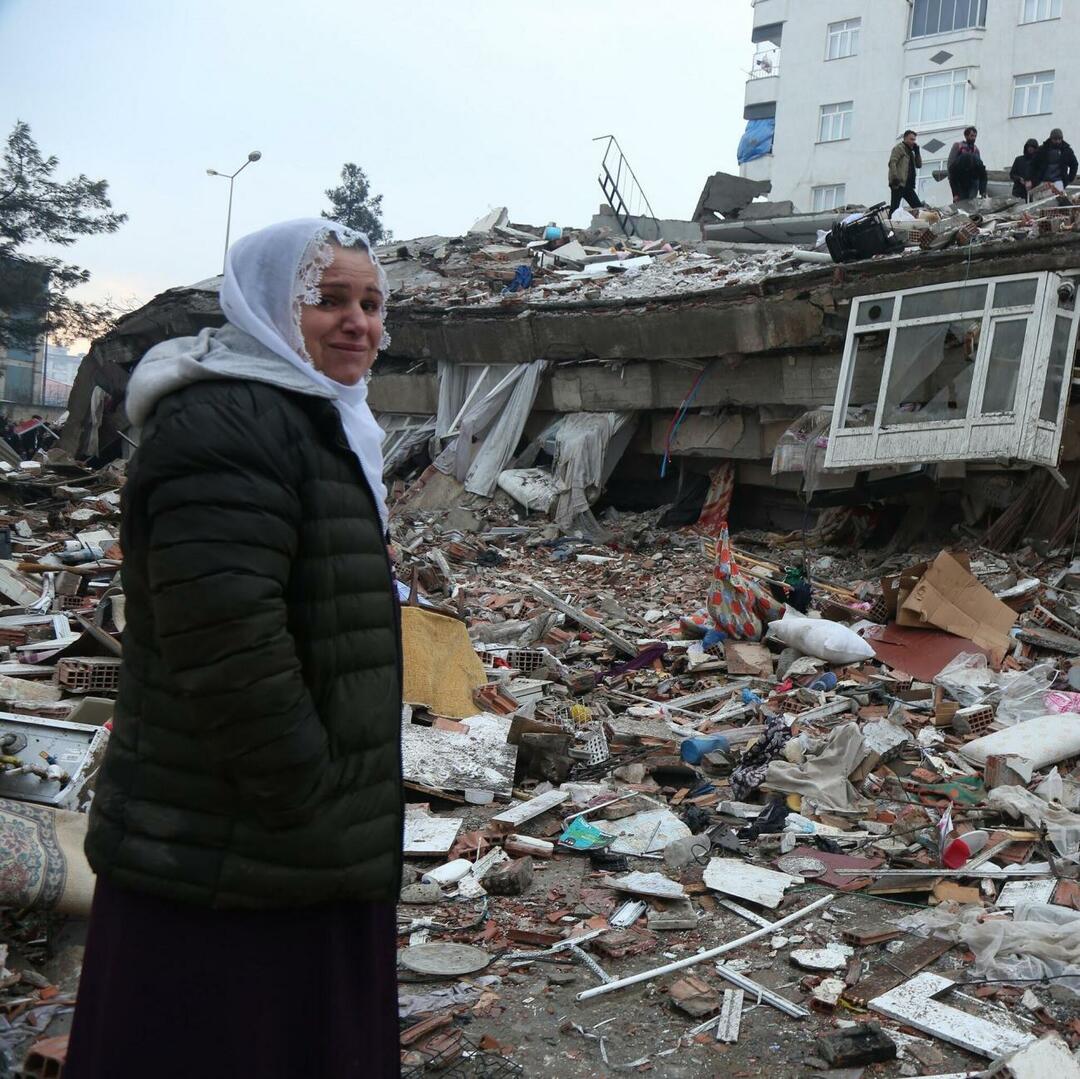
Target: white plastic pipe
x=703 y=957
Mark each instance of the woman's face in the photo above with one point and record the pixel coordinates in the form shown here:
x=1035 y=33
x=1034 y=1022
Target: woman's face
x=342 y=331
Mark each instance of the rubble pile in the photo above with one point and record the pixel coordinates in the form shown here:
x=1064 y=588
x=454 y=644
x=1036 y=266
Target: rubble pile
x=854 y=841
x=499 y=264
x=61 y=613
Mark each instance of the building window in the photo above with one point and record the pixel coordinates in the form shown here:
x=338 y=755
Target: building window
x=938 y=98
x=834 y=122
x=945 y=16
x=828 y=197
x=1040 y=10
x=955 y=372
x=1033 y=94
x=843 y=39
x=926 y=177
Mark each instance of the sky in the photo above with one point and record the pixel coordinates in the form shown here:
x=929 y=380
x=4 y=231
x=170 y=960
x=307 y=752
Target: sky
x=451 y=109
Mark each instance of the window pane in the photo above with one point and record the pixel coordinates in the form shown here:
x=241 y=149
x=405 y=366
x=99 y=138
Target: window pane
x=866 y=370
x=1015 y=293
x=1055 y=371
x=1047 y=102
x=947 y=21
x=1006 y=351
x=943 y=301
x=918 y=18
x=872 y=312
x=931 y=373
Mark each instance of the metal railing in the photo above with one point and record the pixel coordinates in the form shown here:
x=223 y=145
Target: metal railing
x=621 y=187
x=766 y=63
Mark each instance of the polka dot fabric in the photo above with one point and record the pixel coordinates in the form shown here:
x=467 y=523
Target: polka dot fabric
x=739 y=606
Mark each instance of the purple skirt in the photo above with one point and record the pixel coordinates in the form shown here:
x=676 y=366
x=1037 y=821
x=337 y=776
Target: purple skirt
x=177 y=991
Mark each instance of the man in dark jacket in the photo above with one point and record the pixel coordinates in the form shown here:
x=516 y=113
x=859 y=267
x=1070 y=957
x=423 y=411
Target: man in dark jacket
x=904 y=163
x=1022 y=172
x=967 y=173
x=1055 y=163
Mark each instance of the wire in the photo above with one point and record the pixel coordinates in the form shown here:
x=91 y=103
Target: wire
x=673 y=427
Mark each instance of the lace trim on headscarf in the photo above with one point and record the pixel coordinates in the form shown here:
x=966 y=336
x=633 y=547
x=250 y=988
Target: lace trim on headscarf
x=317 y=258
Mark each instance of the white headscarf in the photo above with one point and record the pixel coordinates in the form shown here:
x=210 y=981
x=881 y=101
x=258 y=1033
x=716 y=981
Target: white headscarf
x=268 y=275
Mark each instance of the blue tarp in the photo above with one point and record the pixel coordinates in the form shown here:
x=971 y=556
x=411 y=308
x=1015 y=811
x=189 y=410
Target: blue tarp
x=757 y=140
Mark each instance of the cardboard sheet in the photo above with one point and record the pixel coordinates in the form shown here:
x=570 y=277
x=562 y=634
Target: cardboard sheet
x=949 y=597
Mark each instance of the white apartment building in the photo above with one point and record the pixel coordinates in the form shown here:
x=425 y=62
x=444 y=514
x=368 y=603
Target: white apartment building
x=842 y=79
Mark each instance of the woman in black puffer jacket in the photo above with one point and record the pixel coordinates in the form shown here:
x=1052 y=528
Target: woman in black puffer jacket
x=246 y=825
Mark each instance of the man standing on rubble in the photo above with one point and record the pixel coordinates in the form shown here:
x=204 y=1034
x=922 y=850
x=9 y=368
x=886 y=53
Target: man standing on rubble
x=904 y=163
x=967 y=173
x=246 y=824
x=1055 y=163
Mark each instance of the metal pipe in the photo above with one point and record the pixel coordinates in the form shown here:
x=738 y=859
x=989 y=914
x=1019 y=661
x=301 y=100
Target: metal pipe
x=703 y=957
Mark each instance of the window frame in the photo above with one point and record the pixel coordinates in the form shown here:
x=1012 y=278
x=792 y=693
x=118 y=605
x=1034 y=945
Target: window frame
x=980 y=7
x=959 y=76
x=849 y=28
x=1051 y=5
x=1045 y=108
x=925 y=176
x=1020 y=434
x=845 y=116
x=841 y=188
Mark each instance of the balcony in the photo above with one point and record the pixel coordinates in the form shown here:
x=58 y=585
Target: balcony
x=766 y=63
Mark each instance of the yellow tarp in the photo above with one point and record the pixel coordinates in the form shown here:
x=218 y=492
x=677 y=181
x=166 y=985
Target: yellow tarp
x=441 y=668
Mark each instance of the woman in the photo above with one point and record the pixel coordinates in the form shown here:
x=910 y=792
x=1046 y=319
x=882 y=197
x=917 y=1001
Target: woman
x=1022 y=172
x=246 y=826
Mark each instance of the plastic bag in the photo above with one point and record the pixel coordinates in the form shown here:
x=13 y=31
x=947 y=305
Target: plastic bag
x=819 y=637
x=968 y=679
x=1041 y=941
x=1022 y=693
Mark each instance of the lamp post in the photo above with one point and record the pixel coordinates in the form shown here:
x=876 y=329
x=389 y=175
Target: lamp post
x=231 y=177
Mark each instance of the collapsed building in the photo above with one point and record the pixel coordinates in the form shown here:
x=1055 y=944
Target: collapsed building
x=589 y=369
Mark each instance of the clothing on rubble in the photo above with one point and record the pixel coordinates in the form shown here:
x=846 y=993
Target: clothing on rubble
x=754 y=765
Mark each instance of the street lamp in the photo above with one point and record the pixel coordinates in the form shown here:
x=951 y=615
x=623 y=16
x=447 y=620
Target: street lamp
x=231 y=176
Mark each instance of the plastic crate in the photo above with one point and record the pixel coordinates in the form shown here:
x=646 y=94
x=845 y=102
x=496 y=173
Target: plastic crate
x=89 y=674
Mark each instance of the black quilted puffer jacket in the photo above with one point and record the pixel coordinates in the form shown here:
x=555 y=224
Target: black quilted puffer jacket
x=255 y=758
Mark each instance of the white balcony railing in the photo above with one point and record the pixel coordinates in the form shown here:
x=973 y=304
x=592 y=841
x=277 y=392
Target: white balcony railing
x=766 y=63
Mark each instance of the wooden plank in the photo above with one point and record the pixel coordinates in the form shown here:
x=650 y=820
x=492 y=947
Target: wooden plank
x=900 y=968
x=913 y=1004
x=514 y=817
x=583 y=619
x=730 y=1016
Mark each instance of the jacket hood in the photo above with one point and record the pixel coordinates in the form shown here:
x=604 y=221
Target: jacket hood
x=213 y=354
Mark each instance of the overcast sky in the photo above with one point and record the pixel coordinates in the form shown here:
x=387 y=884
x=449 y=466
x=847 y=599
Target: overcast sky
x=452 y=109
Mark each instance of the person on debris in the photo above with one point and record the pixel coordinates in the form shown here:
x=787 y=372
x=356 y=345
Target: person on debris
x=246 y=825
x=1022 y=172
x=904 y=163
x=1055 y=163
x=967 y=173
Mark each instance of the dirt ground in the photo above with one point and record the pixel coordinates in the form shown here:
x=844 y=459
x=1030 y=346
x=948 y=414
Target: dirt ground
x=536 y=1011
